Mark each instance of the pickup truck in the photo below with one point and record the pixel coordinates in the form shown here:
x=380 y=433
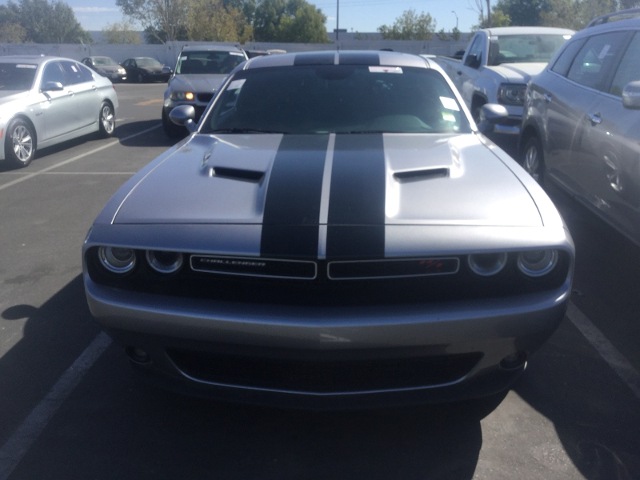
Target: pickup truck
x=497 y=65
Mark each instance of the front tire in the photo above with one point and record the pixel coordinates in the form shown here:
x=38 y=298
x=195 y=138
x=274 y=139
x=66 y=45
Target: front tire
x=20 y=143
x=533 y=159
x=106 y=120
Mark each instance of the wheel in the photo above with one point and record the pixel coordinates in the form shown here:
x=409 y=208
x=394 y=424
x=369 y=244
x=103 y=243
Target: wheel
x=20 y=143
x=171 y=129
x=533 y=159
x=106 y=120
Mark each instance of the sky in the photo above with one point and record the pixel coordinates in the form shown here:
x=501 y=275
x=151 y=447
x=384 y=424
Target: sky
x=354 y=15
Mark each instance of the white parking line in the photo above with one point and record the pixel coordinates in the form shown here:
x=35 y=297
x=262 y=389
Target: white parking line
x=27 y=433
x=74 y=159
x=605 y=349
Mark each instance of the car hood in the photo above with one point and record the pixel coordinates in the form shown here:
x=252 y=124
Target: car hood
x=108 y=68
x=519 y=72
x=346 y=180
x=197 y=82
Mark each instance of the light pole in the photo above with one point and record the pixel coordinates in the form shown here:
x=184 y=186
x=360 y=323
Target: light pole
x=454 y=12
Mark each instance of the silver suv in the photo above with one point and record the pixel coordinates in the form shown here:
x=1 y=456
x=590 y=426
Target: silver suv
x=581 y=124
x=199 y=71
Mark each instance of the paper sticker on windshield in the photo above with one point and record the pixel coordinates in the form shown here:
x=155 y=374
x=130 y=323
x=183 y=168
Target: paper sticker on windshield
x=385 y=69
x=236 y=84
x=449 y=103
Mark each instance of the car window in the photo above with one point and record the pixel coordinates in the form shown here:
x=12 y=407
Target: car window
x=208 y=62
x=75 y=73
x=564 y=61
x=475 y=49
x=17 y=76
x=629 y=68
x=53 y=72
x=526 y=48
x=595 y=62
x=342 y=99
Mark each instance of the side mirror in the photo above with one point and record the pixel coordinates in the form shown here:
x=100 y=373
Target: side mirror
x=184 y=115
x=491 y=114
x=472 y=61
x=631 y=95
x=52 y=86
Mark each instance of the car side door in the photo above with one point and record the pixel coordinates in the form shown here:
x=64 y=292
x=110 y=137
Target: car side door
x=571 y=106
x=613 y=145
x=84 y=91
x=57 y=108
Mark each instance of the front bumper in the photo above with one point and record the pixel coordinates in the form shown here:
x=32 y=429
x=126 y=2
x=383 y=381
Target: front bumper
x=329 y=356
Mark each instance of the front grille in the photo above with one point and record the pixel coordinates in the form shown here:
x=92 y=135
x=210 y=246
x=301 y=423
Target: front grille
x=298 y=371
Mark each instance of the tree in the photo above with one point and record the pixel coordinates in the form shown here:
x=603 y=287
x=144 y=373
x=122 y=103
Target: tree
x=212 y=20
x=121 y=33
x=39 y=21
x=162 y=20
x=410 y=26
x=289 y=21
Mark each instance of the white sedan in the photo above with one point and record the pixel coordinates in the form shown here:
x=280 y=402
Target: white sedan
x=48 y=100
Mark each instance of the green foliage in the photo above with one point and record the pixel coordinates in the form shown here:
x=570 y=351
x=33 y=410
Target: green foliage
x=121 y=33
x=217 y=21
x=410 y=26
x=574 y=14
x=39 y=21
x=162 y=21
x=289 y=21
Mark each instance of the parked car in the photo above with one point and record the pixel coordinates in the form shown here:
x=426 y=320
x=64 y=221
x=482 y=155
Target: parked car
x=145 y=70
x=107 y=67
x=334 y=232
x=199 y=72
x=581 y=128
x=48 y=100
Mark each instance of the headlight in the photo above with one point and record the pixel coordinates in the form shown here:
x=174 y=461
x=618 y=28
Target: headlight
x=182 y=96
x=164 y=262
x=487 y=264
x=512 y=93
x=116 y=259
x=122 y=71
x=537 y=263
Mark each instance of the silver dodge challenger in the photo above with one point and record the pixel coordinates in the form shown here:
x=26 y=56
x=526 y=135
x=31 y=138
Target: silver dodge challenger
x=334 y=231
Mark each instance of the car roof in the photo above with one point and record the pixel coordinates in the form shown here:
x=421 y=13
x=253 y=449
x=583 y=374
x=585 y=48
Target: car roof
x=631 y=13
x=343 y=57
x=37 y=59
x=529 y=31
x=609 y=26
x=210 y=47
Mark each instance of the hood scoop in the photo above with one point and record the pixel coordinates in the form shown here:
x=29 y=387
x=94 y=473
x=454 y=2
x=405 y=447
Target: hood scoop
x=422 y=174
x=234 y=173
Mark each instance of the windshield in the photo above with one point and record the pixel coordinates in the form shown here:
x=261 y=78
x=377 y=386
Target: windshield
x=16 y=76
x=104 y=61
x=148 y=62
x=208 y=62
x=336 y=98
x=524 y=48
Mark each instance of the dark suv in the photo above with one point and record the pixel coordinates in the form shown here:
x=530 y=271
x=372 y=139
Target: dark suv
x=581 y=124
x=199 y=71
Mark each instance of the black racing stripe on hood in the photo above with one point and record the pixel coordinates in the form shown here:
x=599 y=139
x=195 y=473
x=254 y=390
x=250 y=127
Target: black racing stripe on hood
x=292 y=206
x=359 y=58
x=357 y=198
x=315 y=58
